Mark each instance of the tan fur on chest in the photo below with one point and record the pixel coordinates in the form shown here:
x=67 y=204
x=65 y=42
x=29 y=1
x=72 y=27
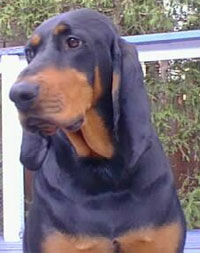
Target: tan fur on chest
x=164 y=239
x=152 y=240
x=60 y=243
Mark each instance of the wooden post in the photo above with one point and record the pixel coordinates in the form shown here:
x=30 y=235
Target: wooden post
x=13 y=189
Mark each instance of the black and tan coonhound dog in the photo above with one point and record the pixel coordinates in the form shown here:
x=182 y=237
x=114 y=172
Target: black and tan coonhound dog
x=102 y=183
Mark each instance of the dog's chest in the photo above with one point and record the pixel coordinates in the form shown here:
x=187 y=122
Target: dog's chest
x=107 y=214
x=163 y=239
x=110 y=229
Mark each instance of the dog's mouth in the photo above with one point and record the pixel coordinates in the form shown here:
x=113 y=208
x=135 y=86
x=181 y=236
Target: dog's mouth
x=39 y=125
x=47 y=126
x=75 y=125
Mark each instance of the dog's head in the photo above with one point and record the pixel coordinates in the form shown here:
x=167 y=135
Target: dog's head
x=67 y=57
x=78 y=62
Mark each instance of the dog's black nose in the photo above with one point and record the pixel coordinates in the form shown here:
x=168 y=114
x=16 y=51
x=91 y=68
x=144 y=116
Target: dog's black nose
x=24 y=95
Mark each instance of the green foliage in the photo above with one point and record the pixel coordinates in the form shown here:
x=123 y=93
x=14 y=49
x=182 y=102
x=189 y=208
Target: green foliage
x=185 y=13
x=175 y=114
x=190 y=200
x=145 y=17
x=175 y=106
x=20 y=17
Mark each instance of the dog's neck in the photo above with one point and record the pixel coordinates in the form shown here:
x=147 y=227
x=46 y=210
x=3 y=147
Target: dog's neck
x=93 y=139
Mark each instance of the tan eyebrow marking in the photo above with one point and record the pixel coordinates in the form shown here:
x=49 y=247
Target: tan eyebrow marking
x=35 y=40
x=60 y=28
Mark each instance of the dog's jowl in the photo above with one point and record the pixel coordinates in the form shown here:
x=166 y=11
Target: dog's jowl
x=102 y=183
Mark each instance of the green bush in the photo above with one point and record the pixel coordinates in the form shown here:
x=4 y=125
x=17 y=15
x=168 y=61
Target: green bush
x=190 y=200
x=20 y=17
x=175 y=105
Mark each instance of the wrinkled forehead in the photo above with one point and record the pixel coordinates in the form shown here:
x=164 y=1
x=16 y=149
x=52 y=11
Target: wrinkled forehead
x=87 y=21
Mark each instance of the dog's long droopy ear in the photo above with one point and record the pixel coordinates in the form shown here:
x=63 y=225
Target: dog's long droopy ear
x=33 y=150
x=134 y=127
x=116 y=80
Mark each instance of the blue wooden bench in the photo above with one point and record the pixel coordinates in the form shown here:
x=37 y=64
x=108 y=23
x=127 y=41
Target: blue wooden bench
x=193 y=242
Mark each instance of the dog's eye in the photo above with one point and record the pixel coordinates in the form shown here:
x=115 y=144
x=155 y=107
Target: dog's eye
x=73 y=42
x=30 y=54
